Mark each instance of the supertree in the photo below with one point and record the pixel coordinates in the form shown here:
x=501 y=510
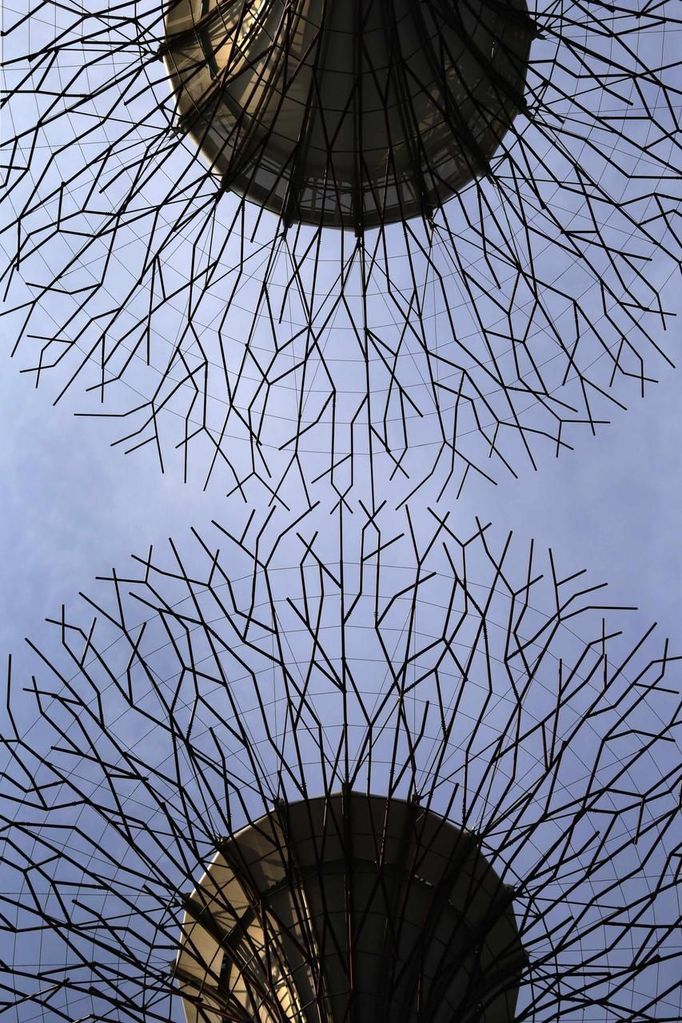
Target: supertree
x=281 y=775
x=341 y=242
x=342 y=765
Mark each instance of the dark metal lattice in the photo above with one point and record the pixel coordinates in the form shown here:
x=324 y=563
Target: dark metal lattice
x=350 y=906
x=453 y=291
x=528 y=306
x=470 y=677
x=348 y=115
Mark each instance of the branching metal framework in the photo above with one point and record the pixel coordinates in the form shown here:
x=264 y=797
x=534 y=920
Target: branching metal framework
x=464 y=340
x=316 y=282
x=470 y=677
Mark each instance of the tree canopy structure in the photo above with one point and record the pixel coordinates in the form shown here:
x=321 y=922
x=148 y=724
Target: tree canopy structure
x=339 y=763
x=467 y=678
x=503 y=281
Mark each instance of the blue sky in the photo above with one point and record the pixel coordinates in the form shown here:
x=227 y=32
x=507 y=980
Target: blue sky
x=73 y=508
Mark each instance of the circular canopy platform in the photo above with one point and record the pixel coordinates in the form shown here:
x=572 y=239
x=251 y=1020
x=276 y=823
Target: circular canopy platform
x=348 y=114
x=350 y=907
